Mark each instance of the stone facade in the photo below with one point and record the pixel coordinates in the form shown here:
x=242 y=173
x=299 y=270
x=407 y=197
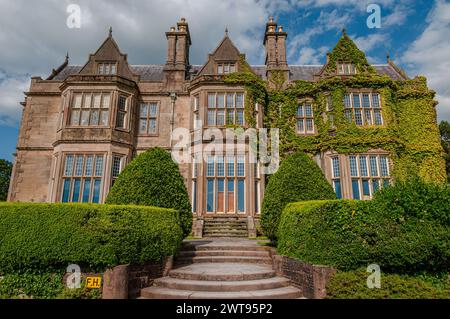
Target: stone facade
x=82 y=124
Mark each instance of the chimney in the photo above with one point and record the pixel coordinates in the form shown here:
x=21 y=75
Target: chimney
x=275 y=44
x=270 y=43
x=281 y=47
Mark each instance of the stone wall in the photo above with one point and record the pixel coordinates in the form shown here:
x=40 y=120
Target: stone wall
x=126 y=281
x=311 y=279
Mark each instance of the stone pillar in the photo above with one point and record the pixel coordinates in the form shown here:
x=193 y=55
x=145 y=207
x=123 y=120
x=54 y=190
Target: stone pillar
x=115 y=283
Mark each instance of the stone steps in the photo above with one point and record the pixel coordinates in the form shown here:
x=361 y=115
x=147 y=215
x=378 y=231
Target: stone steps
x=225 y=227
x=202 y=253
x=223 y=259
x=208 y=245
x=214 y=285
x=165 y=293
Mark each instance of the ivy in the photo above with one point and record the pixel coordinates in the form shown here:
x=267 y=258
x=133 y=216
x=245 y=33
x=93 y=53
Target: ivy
x=410 y=132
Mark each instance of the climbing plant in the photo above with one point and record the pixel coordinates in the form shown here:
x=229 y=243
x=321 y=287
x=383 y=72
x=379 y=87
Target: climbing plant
x=409 y=131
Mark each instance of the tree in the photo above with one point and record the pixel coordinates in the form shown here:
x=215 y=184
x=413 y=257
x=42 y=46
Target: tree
x=298 y=179
x=444 y=129
x=5 y=176
x=153 y=179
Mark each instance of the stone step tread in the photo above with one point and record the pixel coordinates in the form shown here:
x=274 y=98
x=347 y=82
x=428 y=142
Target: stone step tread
x=231 y=229
x=221 y=259
x=223 y=271
x=253 y=253
x=191 y=247
x=289 y=292
x=215 y=285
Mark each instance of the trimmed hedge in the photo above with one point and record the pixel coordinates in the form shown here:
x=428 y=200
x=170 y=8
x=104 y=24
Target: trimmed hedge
x=352 y=285
x=49 y=237
x=352 y=234
x=298 y=178
x=153 y=179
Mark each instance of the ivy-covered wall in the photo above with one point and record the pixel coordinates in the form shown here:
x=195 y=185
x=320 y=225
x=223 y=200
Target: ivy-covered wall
x=410 y=132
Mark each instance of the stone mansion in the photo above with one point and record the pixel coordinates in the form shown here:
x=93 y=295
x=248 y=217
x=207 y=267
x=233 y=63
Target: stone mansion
x=83 y=123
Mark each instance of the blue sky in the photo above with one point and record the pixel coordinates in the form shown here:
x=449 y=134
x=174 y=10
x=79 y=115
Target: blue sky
x=34 y=37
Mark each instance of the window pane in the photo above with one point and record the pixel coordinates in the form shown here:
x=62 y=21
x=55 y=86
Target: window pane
x=240 y=118
x=211 y=100
x=69 y=165
x=230 y=166
x=230 y=117
x=76 y=191
x=308 y=110
x=356 y=102
x=365 y=100
x=211 y=117
x=337 y=188
x=121 y=119
x=143 y=126
x=79 y=165
x=336 y=168
x=309 y=125
x=353 y=166
x=355 y=189
x=241 y=195
x=153 y=109
x=66 y=191
x=77 y=101
x=221 y=117
x=220 y=69
x=75 y=117
x=230 y=195
x=300 y=111
x=230 y=100
x=144 y=110
x=220 y=166
x=210 y=196
x=239 y=100
x=106 y=101
x=375 y=185
x=97 y=99
x=99 y=166
x=232 y=68
x=300 y=126
x=94 y=117
x=256 y=197
x=113 y=69
x=100 y=69
x=87 y=100
x=241 y=166
x=363 y=165
x=85 y=118
x=122 y=103
x=221 y=100
x=347 y=103
x=152 y=126
x=96 y=195
x=86 y=191
x=375 y=100
x=104 y=118
x=226 y=68
x=107 y=68
x=358 y=117
x=373 y=166
x=384 y=166
x=386 y=183
x=194 y=196
x=116 y=166
x=210 y=166
x=368 y=117
x=378 y=118
x=366 y=188
x=348 y=115
x=220 y=199
x=89 y=162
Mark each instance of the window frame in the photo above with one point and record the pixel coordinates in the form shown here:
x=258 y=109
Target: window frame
x=148 y=117
x=231 y=65
x=126 y=112
x=101 y=65
x=101 y=109
x=363 y=110
x=225 y=110
x=304 y=118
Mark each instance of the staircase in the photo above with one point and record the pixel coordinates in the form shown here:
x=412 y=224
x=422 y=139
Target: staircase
x=225 y=227
x=222 y=269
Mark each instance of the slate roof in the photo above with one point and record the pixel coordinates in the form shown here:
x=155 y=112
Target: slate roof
x=154 y=72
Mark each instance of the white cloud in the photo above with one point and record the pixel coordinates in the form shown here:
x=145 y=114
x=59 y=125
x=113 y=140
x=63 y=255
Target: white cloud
x=11 y=93
x=429 y=55
x=371 y=41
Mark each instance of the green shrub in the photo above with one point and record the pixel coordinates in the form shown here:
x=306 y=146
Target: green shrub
x=43 y=285
x=46 y=237
x=153 y=179
x=353 y=285
x=297 y=179
x=416 y=199
x=352 y=234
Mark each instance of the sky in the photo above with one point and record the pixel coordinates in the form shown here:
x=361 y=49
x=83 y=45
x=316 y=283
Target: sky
x=35 y=37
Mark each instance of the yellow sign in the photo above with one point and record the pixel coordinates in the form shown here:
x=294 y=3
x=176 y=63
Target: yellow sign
x=93 y=282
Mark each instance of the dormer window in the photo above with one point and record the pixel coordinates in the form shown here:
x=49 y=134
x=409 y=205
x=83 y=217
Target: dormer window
x=226 y=68
x=107 y=68
x=346 y=68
